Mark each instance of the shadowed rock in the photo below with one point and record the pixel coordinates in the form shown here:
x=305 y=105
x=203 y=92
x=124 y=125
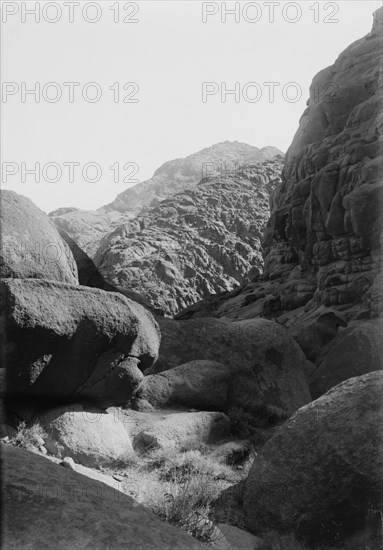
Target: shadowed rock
x=48 y=506
x=64 y=341
x=264 y=367
x=357 y=352
x=322 y=472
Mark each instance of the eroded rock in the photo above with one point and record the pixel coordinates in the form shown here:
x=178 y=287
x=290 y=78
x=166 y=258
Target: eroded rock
x=38 y=494
x=66 y=342
x=322 y=471
x=31 y=246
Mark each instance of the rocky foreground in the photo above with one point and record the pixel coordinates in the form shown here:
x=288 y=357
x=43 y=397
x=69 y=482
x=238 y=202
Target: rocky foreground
x=253 y=419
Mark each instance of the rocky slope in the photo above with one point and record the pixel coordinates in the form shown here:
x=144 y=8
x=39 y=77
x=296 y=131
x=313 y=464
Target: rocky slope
x=179 y=174
x=194 y=243
x=88 y=227
x=323 y=241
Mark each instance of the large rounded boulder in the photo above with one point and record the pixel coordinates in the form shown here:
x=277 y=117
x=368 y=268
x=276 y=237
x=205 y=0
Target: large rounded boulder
x=322 y=472
x=31 y=245
x=198 y=384
x=264 y=364
x=66 y=342
x=356 y=352
x=90 y=436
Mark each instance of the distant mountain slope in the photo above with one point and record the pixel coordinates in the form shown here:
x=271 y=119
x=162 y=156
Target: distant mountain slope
x=88 y=227
x=184 y=173
x=196 y=242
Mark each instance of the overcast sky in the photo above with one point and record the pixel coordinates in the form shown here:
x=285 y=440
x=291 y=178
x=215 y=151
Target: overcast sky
x=167 y=54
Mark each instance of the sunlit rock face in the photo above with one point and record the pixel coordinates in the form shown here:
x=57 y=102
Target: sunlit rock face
x=196 y=242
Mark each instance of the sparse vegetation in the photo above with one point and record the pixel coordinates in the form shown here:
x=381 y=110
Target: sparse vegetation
x=192 y=489
x=29 y=437
x=181 y=488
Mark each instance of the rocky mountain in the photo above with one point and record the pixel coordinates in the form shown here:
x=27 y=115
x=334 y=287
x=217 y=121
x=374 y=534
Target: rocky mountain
x=252 y=419
x=88 y=227
x=322 y=245
x=196 y=242
x=184 y=173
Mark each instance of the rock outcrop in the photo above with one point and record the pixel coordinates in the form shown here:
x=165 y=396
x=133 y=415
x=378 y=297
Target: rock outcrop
x=31 y=246
x=321 y=473
x=88 y=435
x=194 y=243
x=264 y=367
x=48 y=506
x=65 y=342
x=322 y=246
x=326 y=215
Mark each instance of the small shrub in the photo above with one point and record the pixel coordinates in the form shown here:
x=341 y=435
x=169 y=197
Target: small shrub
x=181 y=487
x=29 y=437
x=177 y=466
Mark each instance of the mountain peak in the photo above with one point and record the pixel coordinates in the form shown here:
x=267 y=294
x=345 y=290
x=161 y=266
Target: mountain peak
x=185 y=173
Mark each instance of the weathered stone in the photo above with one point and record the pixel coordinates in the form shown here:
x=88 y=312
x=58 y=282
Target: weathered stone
x=65 y=341
x=200 y=384
x=38 y=494
x=322 y=471
x=267 y=366
x=356 y=352
x=322 y=244
x=31 y=246
x=195 y=242
x=88 y=435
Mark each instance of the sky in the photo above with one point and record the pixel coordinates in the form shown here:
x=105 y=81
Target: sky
x=87 y=138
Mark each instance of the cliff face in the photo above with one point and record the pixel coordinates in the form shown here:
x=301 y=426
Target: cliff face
x=197 y=242
x=326 y=217
x=322 y=245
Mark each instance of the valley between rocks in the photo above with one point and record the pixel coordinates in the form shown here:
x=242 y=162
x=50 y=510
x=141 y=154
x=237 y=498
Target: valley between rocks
x=250 y=419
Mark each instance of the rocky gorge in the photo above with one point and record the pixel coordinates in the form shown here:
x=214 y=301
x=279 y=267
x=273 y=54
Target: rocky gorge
x=198 y=363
